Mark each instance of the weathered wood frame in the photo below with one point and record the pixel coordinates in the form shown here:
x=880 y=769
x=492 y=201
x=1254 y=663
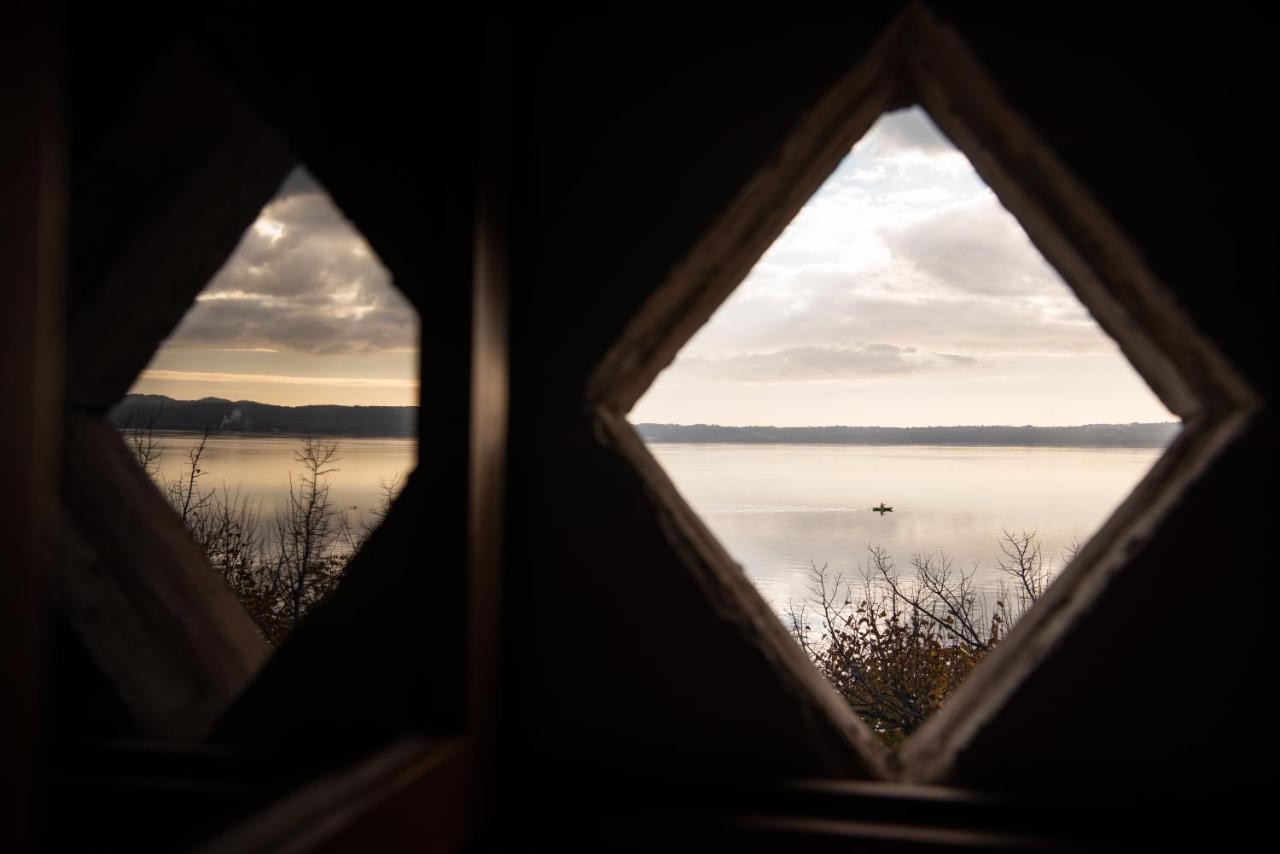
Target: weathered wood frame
x=161 y=625
x=32 y=249
x=919 y=60
x=164 y=629
x=414 y=789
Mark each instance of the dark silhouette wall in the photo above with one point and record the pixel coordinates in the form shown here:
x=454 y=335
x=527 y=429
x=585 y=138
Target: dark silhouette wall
x=642 y=132
x=625 y=135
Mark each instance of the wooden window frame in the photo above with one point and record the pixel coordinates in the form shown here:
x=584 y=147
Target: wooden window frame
x=921 y=61
x=164 y=628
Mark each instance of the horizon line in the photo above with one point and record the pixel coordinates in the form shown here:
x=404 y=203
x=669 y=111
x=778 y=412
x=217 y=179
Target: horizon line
x=639 y=424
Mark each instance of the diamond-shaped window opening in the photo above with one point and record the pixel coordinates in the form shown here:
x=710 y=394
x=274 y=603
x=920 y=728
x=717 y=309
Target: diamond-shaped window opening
x=176 y=189
x=921 y=62
x=279 y=418
x=902 y=298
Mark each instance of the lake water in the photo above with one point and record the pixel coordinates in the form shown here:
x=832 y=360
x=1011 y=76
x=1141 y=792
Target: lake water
x=260 y=466
x=777 y=508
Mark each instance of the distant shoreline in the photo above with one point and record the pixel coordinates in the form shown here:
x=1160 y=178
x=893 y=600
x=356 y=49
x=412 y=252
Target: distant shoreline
x=1134 y=435
x=246 y=417
x=274 y=434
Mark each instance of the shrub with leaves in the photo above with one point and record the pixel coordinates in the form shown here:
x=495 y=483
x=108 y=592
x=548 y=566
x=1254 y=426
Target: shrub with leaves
x=896 y=647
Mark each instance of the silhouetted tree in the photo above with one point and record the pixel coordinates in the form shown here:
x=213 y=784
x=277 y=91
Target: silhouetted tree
x=278 y=568
x=309 y=533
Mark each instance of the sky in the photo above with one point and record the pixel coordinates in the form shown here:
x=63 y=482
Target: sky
x=902 y=294
x=302 y=312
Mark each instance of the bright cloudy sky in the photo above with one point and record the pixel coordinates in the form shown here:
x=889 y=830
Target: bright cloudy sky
x=302 y=312
x=903 y=294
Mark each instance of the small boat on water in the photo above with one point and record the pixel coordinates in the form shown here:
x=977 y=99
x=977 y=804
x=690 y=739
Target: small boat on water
x=882 y=509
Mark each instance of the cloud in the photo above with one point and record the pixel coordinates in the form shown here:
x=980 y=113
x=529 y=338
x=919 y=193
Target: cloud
x=299 y=182
x=976 y=248
x=899 y=307
x=302 y=279
x=896 y=267
x=905 y=277
x=903 y=263
x=809 y=364
x=276 y=379
x=909 y=130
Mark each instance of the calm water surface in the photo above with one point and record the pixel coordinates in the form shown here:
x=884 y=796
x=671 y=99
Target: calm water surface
x=261 y=466
x=776 y=508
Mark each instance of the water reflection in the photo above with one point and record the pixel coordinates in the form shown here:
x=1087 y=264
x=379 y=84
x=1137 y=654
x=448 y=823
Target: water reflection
x=776 y=508
x=261 y=467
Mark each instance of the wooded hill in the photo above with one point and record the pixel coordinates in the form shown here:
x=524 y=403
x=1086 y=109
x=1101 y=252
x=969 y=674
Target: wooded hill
x=247 y=416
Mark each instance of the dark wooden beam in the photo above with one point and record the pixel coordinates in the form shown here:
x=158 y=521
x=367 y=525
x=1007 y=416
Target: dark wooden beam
x=490 y=376
x=717 y=813
x=161 y=624
x=387 y=651
x=32 y=241
x=158 y=209
x=409 y=796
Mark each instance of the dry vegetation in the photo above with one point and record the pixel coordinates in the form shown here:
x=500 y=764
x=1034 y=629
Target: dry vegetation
x=279 y=565
x=896 y=646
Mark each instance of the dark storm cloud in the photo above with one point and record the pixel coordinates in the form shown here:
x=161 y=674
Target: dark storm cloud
x=298 y=327
x=302 y=279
